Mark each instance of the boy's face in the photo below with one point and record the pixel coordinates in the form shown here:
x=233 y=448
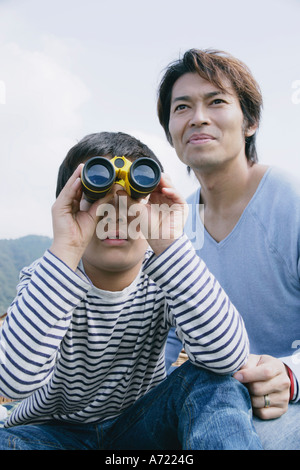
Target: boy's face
x=111 y=249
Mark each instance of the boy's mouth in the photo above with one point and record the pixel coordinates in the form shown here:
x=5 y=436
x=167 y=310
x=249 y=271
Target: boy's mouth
x=115 y=238
x=117 y=235
x=114 y=241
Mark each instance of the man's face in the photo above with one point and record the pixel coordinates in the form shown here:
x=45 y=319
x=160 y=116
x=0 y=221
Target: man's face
x=206 y=124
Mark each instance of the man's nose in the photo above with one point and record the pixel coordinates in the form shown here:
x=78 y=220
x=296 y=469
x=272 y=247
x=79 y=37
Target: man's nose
x=200 y=116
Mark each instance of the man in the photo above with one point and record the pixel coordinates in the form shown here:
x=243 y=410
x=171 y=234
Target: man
x=83 y=342
x=209 y=105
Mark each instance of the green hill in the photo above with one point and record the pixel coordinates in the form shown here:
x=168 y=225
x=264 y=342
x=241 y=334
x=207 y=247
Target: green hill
x=14 y=255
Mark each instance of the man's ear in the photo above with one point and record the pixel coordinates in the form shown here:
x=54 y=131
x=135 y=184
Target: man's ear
x=250 y=130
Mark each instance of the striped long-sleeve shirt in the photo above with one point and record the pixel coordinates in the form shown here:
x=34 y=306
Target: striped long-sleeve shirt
x=75 y=352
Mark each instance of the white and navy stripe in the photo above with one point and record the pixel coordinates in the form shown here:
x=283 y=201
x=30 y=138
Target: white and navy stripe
x=82 y=354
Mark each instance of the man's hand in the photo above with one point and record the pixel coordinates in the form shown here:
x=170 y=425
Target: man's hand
x=266 y=375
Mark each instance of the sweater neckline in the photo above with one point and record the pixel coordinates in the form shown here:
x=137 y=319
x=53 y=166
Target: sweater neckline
x=108 y=295
x=243 y=215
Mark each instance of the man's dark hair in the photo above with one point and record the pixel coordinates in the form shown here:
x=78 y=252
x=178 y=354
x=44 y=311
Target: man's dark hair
x=221 y=69
x=101 y=144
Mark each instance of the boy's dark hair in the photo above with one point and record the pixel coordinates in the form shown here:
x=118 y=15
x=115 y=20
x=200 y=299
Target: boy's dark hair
x=101 y=144
x=214 y=66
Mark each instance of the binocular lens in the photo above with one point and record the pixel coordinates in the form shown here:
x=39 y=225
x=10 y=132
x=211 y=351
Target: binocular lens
x=98 y=175
x=138 y=178
x=144 y=175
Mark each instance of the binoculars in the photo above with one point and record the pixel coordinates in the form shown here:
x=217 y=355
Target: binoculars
x=138 y=178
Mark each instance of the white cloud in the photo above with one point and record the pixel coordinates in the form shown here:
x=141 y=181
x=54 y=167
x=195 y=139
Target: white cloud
x=39 y=122
x=71 y=68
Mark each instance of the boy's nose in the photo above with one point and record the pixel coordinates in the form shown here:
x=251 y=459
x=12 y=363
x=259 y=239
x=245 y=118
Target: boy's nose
x=116 y=188
x=117 y=191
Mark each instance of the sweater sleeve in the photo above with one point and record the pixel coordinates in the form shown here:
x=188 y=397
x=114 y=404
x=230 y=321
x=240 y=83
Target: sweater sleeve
x=208 y=324
x=293 y=362
x=36 y=323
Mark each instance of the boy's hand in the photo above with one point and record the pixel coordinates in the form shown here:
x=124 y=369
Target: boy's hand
x=73 y=228
x=166 y=215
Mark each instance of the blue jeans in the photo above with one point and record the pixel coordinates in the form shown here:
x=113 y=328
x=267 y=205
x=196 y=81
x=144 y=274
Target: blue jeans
x=282 y=433
x=276 y=434
x=191 y=409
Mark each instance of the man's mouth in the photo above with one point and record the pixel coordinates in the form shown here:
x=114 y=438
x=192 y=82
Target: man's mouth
x=200 y=138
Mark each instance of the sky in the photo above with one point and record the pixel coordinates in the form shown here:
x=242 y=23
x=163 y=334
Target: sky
x=69 y=68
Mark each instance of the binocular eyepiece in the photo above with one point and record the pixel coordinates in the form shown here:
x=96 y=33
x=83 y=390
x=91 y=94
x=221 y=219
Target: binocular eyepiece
x=139 y=178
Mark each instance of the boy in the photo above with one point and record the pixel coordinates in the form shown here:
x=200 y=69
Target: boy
x=83 y=342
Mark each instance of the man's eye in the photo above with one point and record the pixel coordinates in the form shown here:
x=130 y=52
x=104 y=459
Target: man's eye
x=218 y=101
x=180 y=107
